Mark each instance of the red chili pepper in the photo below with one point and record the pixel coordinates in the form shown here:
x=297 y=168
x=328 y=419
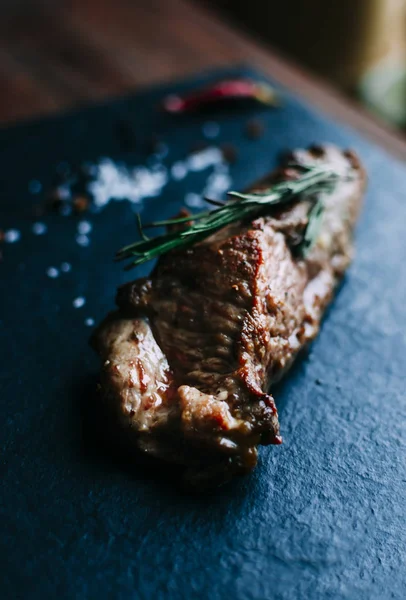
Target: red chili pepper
x=231 y=89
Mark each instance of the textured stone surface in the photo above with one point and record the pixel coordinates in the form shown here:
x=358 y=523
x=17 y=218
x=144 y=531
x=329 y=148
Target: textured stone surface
x=323 y=516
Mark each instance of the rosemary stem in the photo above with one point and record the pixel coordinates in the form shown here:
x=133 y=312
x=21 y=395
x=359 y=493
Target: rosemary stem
x=313 y=182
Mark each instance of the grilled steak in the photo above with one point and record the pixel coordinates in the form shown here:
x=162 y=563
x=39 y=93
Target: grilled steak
x=192 y=351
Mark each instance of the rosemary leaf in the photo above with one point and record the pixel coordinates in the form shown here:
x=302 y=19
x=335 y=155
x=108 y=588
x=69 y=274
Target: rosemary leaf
x=313 y=183
x=315 y=217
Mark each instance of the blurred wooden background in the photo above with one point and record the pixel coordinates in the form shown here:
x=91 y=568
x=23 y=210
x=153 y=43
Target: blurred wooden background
x=358 y=45
x=341 y=39
x=57 y=54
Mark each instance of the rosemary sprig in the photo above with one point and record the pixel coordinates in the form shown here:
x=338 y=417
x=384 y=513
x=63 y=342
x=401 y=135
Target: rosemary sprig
x=312 y=230
x=314 y=182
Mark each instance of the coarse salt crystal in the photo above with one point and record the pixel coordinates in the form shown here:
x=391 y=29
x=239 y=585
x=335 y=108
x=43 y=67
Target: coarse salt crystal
x=34 y=186
x=84 y=227
x=63 y=192
x=217 y=184
x=193 y=200
x=178 y=171
x=12 y=235
x=79 y=302
x=39 y=228
x=52 y=272
x=116 y=182
x=206 y=158
x=82 y=240
x=66 y=267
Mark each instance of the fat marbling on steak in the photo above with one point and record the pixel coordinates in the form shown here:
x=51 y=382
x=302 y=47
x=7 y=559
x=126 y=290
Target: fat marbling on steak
x=192 y=351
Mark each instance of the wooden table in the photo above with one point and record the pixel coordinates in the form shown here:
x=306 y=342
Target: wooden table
x=60 y=54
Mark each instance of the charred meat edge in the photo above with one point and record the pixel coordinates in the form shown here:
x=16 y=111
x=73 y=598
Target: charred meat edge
x=191 y=353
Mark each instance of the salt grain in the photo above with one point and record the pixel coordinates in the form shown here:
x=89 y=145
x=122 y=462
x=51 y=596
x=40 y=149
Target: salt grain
x=178 y=171
x=34 y=186
x=89 y=322
x=39 y=228
x=116 y=182
x=79 y=302
x=11 y=236
x=211 y=129
x=206 y=158
x=63 y=192
x=52 y=272
x=82 y=240
x=218 y=183
x=84 y=227
x=193 y=200
x=66 y=267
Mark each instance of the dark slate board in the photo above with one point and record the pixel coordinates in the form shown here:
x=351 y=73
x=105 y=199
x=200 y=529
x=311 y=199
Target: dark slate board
x=323 y=516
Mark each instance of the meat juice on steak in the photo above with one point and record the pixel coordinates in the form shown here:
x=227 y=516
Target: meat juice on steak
x=191 y=354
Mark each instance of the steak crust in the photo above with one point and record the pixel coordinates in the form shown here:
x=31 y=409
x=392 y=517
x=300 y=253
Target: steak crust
x=191 y=353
